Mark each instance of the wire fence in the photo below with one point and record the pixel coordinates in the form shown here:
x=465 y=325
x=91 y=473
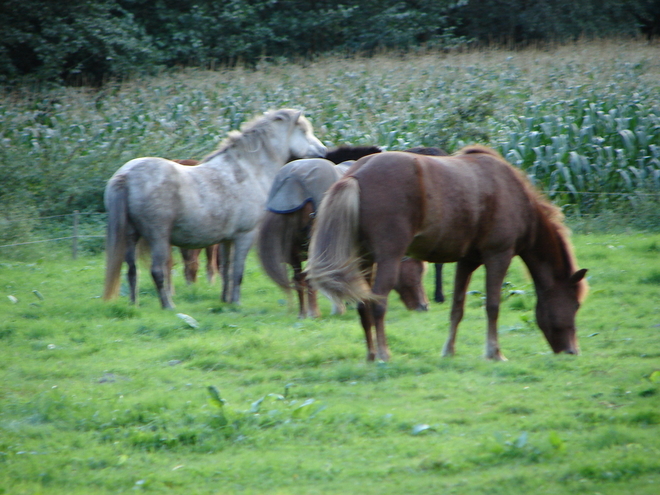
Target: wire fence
x=575 y=210
x=75 y=233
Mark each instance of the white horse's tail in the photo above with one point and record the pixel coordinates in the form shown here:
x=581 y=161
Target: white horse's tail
x=116 y=200
x=334 y=263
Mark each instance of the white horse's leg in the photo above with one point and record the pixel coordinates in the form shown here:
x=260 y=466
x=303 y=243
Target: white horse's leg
x=224 y=255
x=132 y=274
x=160 y=266
x=242 y=246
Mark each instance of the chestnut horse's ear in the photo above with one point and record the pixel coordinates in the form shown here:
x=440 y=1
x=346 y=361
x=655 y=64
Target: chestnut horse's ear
x=577 y=276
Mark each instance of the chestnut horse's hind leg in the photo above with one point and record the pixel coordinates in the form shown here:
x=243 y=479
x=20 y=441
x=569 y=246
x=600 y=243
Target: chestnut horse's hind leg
x=190 y=264
x=464 y=271
x=496 y=268
x=387 y=273
x=212 y=262
x=364 y=310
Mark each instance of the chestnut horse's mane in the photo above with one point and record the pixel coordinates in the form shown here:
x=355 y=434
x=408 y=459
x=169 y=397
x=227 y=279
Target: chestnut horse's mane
x=553 y=237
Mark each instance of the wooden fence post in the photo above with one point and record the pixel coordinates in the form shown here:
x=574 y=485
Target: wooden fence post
x=75 y=234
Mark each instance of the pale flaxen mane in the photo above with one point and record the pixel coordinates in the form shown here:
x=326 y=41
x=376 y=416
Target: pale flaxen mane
x=554 y=238
x=253 y=134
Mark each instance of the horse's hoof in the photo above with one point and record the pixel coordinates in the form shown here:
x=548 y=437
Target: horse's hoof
x=448 y=351
x=384 y=357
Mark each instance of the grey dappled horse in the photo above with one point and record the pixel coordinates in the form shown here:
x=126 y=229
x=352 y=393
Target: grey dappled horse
x=219 y=201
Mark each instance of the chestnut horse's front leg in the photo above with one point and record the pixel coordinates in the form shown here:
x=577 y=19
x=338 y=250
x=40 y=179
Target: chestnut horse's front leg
x=496 y=268
x=212 y=262
x=464 y=271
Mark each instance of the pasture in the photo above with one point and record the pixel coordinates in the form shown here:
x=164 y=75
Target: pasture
x=103 y=398
x=112 y=398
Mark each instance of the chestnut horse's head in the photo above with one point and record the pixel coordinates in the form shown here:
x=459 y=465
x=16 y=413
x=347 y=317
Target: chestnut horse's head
x=409 y=286
x=556 y=308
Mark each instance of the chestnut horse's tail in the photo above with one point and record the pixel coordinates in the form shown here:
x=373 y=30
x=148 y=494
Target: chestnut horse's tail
x=275 y=244
x=116 y=200
x=334 y=263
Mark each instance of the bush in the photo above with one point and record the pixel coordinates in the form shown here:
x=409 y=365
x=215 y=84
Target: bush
x=83 y=41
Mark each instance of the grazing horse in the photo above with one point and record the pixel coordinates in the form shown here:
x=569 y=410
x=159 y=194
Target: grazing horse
x=473 y=208
x=221 y=200
x=284 y=233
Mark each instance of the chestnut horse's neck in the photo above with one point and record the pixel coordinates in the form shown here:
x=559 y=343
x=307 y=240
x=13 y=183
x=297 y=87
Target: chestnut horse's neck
x=549 y=255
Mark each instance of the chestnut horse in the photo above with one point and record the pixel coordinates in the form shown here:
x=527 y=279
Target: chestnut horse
x=346 y=153
x=221 y=200
x=284 y=234
x=473 y=208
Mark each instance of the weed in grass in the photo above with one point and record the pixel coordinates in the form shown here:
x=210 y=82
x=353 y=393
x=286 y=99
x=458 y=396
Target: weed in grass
x=653 y=278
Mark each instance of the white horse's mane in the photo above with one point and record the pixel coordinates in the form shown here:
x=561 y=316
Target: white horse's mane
x=254 y=134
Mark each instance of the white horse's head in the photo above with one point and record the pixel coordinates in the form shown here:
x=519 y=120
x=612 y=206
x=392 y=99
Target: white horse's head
x=302 y=141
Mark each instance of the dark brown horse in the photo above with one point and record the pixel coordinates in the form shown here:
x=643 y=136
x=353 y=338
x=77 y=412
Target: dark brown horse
x=473 y=208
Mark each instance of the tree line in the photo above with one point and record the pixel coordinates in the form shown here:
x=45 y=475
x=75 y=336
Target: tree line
x=89 y=41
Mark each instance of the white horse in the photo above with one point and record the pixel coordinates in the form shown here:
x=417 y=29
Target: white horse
x=221 y=200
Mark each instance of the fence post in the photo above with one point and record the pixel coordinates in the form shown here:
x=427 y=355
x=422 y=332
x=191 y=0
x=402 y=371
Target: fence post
x=75 y=234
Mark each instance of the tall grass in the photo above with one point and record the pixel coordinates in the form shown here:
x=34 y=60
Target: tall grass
x=580 y=118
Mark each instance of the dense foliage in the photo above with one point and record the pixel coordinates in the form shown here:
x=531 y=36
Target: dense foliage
x=85 y=41
x=582 y=120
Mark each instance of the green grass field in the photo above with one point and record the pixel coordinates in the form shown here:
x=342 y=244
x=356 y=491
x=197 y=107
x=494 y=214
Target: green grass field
x=107 y=398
